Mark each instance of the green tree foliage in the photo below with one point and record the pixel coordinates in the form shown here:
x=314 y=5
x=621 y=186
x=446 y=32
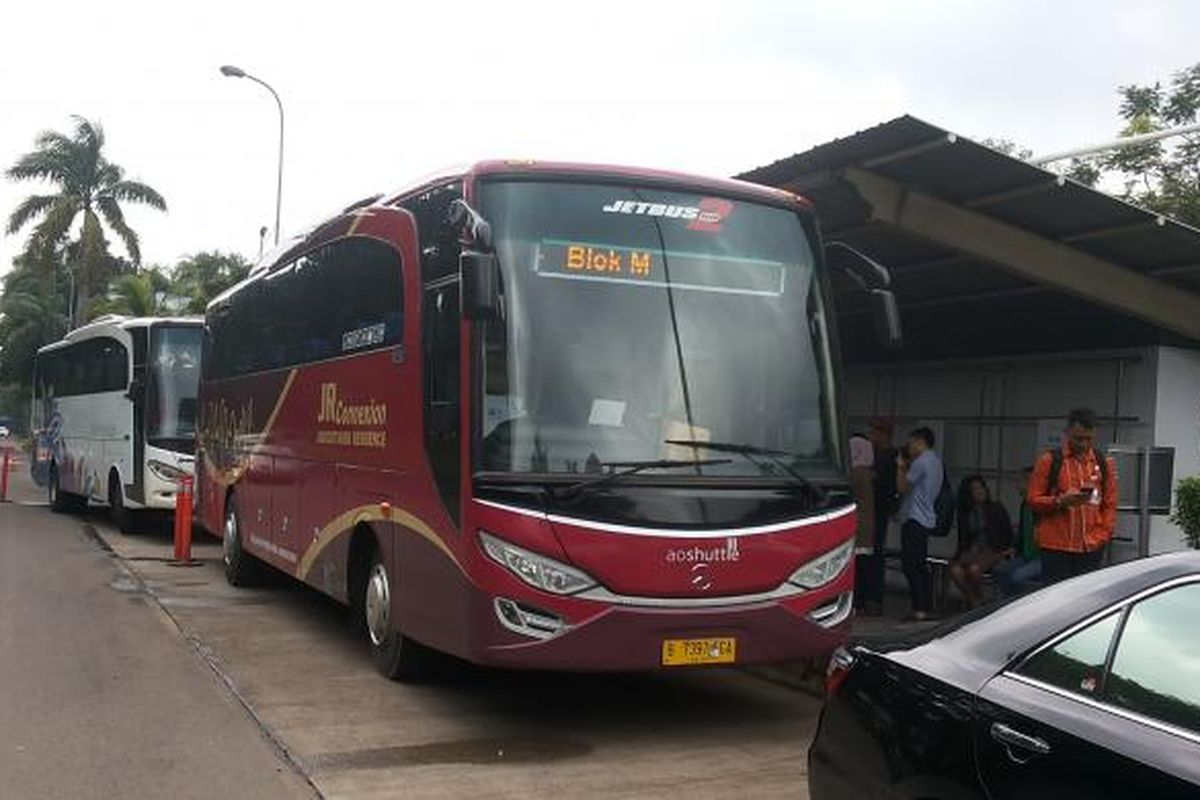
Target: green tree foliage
x=1187 y=510
x=33 y=307
x=1008 y=147
x=200 y=277
x=138 y=294
x=88 y=190
x=1163 y=175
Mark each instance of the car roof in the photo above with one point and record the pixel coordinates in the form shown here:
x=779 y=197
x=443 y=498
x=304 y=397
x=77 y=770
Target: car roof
x=969 y=651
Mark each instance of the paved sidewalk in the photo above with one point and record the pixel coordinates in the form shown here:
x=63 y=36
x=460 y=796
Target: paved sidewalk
x=100 y=697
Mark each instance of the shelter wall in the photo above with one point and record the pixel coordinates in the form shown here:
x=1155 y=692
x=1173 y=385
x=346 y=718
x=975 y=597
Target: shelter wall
x=1177 y=424
x=994 y=416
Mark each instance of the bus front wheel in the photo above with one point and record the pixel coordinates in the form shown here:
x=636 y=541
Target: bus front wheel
x=396 y=656
x=241 y=568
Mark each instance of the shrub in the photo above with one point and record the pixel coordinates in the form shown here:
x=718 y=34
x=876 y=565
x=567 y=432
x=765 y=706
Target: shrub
x=1187 y=510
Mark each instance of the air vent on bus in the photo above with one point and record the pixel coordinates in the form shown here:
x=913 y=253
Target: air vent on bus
x=528 y=621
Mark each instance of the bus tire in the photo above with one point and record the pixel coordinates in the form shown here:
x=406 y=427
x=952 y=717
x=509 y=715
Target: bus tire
x=396 y=656
x=62 y=502
x=122 y=517
x=241 y=568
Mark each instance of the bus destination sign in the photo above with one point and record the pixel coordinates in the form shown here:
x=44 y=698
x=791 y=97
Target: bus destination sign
x=610 y=263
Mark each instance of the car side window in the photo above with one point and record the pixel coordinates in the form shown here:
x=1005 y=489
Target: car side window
x=1076 y=664
x=1156 y=670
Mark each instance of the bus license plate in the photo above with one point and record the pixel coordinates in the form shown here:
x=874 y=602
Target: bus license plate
x=687 y=652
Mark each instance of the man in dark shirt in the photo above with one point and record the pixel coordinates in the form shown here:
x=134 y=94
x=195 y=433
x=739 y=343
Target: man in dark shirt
x=879 y=431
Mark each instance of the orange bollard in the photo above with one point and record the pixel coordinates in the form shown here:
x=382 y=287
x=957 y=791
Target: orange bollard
x=4 y=475
x=183 y=521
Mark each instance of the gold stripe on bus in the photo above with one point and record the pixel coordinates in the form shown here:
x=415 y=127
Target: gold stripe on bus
x=374 y=512
x=287 y=387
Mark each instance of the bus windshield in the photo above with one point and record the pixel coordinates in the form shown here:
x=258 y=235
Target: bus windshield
x=637 y=318
x=173 y=381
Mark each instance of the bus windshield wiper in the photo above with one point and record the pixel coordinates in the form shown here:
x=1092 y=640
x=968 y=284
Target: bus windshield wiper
x=632 y=468
x=776 y=457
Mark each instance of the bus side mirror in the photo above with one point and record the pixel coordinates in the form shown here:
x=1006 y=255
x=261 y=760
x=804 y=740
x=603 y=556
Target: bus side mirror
x=874 y=279
x=137 y=388
x=886 y=313
x=480 y=281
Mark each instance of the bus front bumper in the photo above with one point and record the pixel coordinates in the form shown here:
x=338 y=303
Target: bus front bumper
x=631 y=638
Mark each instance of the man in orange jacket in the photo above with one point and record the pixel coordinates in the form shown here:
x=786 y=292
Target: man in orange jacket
x=1073 y=495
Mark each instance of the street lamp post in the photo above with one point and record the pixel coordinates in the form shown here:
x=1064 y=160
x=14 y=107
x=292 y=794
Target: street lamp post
x=235 y=72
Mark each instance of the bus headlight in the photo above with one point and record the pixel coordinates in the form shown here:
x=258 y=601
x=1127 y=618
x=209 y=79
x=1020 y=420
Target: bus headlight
x=165 y=472
x=538 y=571
x=824 y=568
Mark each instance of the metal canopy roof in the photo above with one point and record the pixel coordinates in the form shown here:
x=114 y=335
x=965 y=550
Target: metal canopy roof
x=992 y=255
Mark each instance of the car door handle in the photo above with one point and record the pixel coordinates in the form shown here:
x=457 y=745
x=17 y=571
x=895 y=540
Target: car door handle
x=1010 y=738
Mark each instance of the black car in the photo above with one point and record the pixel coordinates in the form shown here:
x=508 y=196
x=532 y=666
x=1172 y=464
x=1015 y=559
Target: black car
x=1086 y=689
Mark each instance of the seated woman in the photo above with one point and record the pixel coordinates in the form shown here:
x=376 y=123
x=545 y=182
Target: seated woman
x=985 y=538
x=1023 y=572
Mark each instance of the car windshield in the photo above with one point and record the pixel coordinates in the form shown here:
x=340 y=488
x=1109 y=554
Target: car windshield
x=174 y=379
x=635 y=319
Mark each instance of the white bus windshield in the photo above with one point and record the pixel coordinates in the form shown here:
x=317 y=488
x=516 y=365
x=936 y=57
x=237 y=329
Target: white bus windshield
x=173 y=381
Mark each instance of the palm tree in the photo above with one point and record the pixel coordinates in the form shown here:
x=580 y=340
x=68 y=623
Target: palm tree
x=89 y=186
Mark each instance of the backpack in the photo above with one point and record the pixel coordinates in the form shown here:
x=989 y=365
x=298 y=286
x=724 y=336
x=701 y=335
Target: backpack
x=945 y=506
x=1056 y=462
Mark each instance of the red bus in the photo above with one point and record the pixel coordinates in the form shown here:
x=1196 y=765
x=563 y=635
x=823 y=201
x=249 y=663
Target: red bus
x=543 y=415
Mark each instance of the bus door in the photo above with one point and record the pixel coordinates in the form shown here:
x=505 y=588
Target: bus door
x=135 y=486
x=441 y=324
x=255 y=500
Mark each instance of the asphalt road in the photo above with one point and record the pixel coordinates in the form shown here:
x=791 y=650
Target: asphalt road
x=125 y=665
x=100 y=695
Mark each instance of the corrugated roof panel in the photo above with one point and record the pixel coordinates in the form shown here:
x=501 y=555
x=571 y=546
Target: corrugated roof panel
x=959 y=306
x=1189 y=280
x=1068 y=211
x=897 y=134
x=963 y=171
x=1145 y=248
x=900 y=248
x=967 y=277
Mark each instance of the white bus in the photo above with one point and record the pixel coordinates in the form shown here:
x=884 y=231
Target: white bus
x=114 y=413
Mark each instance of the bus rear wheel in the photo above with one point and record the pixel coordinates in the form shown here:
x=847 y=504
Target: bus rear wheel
x=62 y=502
x=396 y=656
x=122 y=517
x=241 y=568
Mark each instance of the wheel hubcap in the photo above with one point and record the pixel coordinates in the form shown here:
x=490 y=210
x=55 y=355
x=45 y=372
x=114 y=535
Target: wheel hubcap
x=229 y=541
x=377 y=605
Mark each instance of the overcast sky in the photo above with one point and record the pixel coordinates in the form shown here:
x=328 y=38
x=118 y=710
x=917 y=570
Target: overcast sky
x=377 y=93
